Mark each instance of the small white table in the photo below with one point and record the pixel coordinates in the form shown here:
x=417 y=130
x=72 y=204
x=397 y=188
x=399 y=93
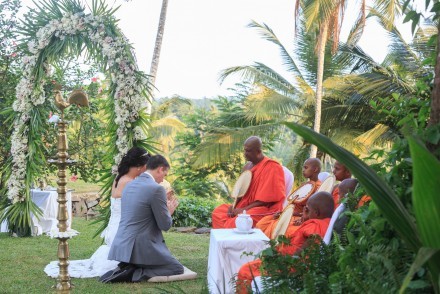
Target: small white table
x=46 y=200
x=226 y=248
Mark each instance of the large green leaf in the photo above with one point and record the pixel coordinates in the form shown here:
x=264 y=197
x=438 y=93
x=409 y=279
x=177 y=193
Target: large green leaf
x=385 y=198
x=426 y=193
x=422 y=257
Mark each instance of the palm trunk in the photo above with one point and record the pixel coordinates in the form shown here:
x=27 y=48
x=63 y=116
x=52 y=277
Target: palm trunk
x=158 y=44
x=322 y=40
x=435 y=97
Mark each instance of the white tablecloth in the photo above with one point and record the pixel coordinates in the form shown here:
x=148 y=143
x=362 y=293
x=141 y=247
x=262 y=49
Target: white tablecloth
x=226 y=256
x=46 y=200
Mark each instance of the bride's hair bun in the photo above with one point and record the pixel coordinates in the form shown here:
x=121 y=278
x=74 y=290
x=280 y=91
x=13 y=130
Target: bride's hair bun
x=135 y=157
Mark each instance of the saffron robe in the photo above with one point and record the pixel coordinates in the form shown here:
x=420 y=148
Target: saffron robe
x=297 y=236
x=363 y=201
x=267 y=185
x=267 y=224
x=335 y=195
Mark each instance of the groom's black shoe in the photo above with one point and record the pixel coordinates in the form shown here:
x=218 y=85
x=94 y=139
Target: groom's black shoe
x=123 y=273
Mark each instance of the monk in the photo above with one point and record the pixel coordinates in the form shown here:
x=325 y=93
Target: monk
x=311 y=169
x=341 y=173
x=317 y=214
x=265 y=194
x=345 y=187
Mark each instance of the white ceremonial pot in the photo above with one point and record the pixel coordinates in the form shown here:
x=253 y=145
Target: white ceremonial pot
x=243 y=222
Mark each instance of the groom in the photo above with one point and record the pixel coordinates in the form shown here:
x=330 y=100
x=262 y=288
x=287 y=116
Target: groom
x=139 y=244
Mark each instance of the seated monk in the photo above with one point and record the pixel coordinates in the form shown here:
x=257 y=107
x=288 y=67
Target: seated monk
x=341 y=173
x=311 y=169
x=265 y=194
x=345 y=187
x=349 y=186
x=317 y=214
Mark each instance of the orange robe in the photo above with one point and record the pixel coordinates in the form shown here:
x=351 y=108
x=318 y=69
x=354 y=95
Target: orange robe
x=363 y=201
x=297 y=236
x=267 y=224
x=267 y=185
x=335 y=195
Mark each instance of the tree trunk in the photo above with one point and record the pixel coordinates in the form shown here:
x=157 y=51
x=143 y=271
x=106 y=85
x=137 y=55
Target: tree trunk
x=158 y=44
x=434 y=118
x=322 y=40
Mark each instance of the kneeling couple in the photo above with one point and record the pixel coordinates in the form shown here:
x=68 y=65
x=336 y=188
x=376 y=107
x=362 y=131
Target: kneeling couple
x=139 y=245
x=134 y=248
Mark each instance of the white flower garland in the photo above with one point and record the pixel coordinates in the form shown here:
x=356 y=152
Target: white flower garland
x=55 y=233
x=128 y=97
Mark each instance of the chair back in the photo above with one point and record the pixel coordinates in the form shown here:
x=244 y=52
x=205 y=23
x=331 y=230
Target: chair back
x=323 y=175
x=329 y=233
x=288 y=180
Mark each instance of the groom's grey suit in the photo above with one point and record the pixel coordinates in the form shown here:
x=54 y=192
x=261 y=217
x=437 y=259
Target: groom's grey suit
x=139 y=239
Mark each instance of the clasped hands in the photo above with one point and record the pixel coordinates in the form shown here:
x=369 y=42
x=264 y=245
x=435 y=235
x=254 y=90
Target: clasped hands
x=172 y=201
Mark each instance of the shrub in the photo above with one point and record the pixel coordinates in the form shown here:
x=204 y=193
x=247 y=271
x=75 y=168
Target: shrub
x=194 y=211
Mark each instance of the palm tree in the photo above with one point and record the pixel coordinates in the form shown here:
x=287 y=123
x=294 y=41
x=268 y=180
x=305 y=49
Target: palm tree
x=326 y=17
x=397 y=74
x=158 y=43
x=351 y=80
x=165 y=124
x=272 y=98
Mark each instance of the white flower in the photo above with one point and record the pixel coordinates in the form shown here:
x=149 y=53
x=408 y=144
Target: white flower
x=55 y=233
x=139 y=134
x=29 y=92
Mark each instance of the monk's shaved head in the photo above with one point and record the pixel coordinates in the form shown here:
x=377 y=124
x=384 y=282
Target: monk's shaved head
x=315 y=162
x=347 y=186
x=254 y=142
x=321 y=204
x=252 y=150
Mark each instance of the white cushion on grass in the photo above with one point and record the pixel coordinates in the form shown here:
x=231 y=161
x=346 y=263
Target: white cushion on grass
x=187 y=275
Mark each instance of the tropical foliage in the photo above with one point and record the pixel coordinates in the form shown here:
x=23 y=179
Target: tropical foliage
x=9 y=76
x=194 y=211
x=55 y=29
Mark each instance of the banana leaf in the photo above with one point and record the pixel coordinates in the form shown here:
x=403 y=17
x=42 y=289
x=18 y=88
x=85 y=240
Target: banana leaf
x=422 y=257
x=426 y=193
x=426 y=201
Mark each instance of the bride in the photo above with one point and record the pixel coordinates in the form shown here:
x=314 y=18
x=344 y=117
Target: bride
x=132 y=165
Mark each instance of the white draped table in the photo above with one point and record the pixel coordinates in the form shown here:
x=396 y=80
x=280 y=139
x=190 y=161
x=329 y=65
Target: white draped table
x=46 y=200
x=226 y=248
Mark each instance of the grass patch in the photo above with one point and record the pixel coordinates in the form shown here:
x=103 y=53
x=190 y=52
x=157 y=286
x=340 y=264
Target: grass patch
x=22 y=262
x=82 y=187
x=79 y=185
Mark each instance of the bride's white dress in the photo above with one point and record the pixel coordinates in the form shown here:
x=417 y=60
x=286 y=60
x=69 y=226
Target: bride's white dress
x=98 y=264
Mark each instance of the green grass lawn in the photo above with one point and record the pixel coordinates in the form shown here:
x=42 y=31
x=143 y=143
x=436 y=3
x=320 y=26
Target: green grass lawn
x=22 y=261
x=82 y=187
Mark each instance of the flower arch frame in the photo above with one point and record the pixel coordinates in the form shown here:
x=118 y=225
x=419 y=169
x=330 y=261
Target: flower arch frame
x=52 y=30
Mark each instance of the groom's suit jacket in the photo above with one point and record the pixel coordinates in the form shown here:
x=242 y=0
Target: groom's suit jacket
x=144 y=214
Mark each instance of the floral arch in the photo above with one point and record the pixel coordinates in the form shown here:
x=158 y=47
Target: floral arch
x=53 y=30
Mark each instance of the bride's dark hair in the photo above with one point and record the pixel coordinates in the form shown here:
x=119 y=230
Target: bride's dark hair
x=135 y=157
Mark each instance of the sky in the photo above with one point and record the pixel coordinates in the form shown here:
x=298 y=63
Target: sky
x=204 y=37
